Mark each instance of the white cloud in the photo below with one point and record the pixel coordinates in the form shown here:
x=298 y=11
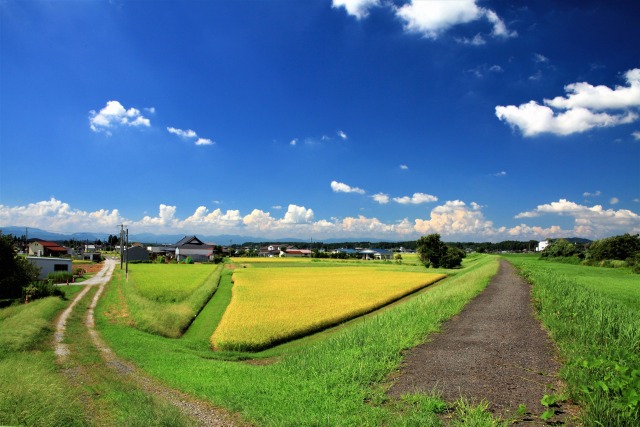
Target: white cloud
x=537 y=57
x=416 y=199
x=182 y=133
x=456 y=218
x=588 y=194
x=381 y=198
x=276 y=207
x=614 y=201
x=533 y=119
x=293 y=142
x=636 y=135
x=501 y=173
x=339 y=187
x=477 y=40
x=580 y=111
x=432 y=18
x=342 y=135
x=114 y=115
x=357 y=8
x=204 y=141
x=190 y=134
x=591 y=221
x=298 y=215
x=585 y=95
x=404 y=167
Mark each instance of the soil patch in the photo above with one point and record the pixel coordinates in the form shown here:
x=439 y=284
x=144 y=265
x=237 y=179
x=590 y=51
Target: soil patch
x=495 y=350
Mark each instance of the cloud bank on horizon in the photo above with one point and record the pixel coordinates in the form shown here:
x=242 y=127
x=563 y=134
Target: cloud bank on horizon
x=455 y=220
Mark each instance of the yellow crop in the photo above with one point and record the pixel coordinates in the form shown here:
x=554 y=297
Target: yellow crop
x=276 y=304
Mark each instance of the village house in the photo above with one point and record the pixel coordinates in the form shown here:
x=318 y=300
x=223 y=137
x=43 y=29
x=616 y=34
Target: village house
x=194 y=248
x=44 y=248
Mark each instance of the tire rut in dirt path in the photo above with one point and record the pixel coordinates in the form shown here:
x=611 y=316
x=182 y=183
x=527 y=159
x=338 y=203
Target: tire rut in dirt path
x=201 y=412
x=495 y=350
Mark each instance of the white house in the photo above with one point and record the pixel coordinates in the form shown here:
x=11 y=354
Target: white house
x=542 y=245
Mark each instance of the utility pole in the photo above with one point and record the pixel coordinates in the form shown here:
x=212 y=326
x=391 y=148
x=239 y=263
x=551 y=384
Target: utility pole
x=127 y=267
x=121 y=244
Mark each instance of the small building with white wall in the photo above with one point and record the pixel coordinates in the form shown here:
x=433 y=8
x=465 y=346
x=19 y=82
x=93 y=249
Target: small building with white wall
x=50 y=264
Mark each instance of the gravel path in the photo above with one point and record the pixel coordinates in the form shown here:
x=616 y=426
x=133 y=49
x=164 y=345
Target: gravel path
x=494 y=350
x=202 y=412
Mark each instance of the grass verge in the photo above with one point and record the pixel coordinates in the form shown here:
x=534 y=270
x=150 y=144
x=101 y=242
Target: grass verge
x=598 y=334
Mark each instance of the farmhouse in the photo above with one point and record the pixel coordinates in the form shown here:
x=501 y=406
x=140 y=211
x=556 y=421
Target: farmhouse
x=50 y=264
x=196 y=249
x=44 y=248
x=542 y=245
x=271 y=250
x=136 y=253
x=376 y=254
x=297 y=253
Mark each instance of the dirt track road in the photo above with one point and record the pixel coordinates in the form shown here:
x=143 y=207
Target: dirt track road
x=201 y=412
x=494 y=350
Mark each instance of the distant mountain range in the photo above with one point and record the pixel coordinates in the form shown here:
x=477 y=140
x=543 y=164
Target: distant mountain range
x=222 y=239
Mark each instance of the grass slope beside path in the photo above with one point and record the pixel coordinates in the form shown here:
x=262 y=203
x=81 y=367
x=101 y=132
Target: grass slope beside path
x=334 y=381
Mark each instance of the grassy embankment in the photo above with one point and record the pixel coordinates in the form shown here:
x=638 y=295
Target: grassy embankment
x=593 y=316
x=81 y=391
x=336 y=380
x=32 y=391
x=176 y=291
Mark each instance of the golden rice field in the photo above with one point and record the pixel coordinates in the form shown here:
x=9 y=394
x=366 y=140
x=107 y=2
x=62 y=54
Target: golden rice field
x=276 y=304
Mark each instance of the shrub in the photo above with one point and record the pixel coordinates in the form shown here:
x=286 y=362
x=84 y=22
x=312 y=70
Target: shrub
x=160 y=259
x=37 y=290
x=60 y=276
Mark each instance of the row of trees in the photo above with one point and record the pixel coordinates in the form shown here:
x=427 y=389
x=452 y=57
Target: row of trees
x=624 y=248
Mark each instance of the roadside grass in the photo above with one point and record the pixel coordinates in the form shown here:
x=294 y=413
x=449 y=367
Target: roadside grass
x=338 y=380
x=592 y=318
x=275 y=305
x=109 y=397
x=142 y=298
x=33 y=392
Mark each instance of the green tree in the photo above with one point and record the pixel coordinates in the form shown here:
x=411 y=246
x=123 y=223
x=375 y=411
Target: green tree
x=616 y=247
x=435 y=253
x=560 y=248
x=16 y=272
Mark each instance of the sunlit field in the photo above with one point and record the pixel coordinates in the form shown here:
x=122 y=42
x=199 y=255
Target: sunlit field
x=271 y=305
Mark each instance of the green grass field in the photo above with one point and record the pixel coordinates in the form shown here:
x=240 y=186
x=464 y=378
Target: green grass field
x=335 y=378
x=165 y=298
x=593 y=316
x=32 y=391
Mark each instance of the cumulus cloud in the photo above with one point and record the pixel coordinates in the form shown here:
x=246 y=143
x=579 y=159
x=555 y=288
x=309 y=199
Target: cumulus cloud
x=342 y=135
x=190 y=134
x=293 y=142
x=593 y=221
x=381 y=198
x=182 y=133
x=581 y=110
x=416 y=199
x=298 y=215
x=432 y=18
x=55 y=215
x=114 y=115
x=340 y=187
x=456 y=218
x=404 y=167
x=614 y=201
x=357 y=8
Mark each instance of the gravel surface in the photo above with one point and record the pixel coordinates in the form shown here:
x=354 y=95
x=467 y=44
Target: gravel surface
x=495 y=350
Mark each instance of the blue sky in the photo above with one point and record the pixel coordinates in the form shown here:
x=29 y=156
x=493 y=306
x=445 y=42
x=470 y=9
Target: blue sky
x=478 y=120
